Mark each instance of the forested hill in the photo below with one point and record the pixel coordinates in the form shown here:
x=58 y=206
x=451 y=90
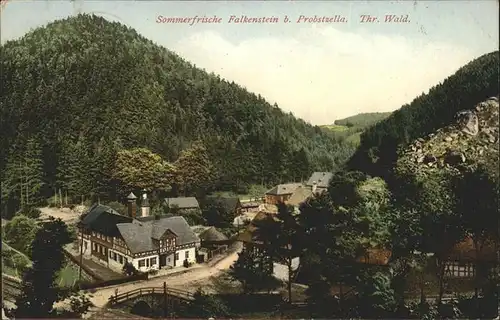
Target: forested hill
x=362 y=120
x=474 y=82
x=349 y=129
x=99 y=85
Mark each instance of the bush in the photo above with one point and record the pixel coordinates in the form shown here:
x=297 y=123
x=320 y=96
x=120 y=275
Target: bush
x=185 y=263
x=53 y=202
x=118 y=207
x=30 y=212
x=80 y=304
x=153 y=272
x=129 y=269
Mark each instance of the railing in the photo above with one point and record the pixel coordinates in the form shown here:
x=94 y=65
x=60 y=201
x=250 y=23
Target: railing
x=11 y=287
x=125 y=296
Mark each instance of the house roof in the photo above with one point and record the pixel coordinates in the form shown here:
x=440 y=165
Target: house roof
x=230 y=204
x=322 y=179
x=465 y=251
x=212 y=235
x=301 y=194
x=103 y=219
x=139 y=235
x=182 y=202
x=251 y=204
x=283 y=189
x=248 y=235
x=375 y=256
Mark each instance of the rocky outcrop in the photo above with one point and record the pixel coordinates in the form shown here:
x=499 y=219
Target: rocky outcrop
x=470 y=141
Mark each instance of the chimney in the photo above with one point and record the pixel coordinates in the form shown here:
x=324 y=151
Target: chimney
x=131 y=205
x=314 y=186
x=145 y=205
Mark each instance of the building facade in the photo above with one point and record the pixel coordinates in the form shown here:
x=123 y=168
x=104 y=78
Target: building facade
x=280 y=193
x=148 y=244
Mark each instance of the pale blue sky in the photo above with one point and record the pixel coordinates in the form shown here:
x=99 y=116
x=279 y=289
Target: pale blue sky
x=320 y=72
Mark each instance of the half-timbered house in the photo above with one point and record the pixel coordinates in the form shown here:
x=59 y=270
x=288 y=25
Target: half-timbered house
x=149 y=244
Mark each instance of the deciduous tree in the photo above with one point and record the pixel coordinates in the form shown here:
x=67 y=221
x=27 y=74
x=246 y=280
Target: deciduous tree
x=139 y=169
x=39 y=289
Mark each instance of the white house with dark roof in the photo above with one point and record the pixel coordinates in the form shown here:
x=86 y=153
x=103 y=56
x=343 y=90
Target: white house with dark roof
x=149 y=244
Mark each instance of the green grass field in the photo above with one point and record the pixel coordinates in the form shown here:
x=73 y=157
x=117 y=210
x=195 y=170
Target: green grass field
x=67 y=276
x=254 y=191
x=354 y=138
x=335 y=127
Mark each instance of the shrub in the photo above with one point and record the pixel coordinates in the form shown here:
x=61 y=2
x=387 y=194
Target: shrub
x=118 y=207
x=80 y=304
x=30 y=212
x=53 y=202
x=129 y=269
x=153 y=272
x=186 y=263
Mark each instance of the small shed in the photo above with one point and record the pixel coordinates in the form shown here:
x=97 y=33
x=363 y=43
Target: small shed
x=213 y=242
x=212 y=237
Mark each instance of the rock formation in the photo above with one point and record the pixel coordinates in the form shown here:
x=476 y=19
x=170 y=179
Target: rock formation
x=471 y=141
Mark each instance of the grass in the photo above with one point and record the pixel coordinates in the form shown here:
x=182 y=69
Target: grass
x=354 y=138
x=10 y=271
x=69 y=275
x=254 y=191
x=335 y=127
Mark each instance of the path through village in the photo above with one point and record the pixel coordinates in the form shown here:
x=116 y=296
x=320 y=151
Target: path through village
x=188 y=281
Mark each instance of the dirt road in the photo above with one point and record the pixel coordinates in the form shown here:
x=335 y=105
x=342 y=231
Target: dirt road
x=189 y=281
x=65 y=214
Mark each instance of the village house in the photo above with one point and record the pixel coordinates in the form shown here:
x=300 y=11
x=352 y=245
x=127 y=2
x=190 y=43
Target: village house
x=463 y=259
x=231 y=205
x=213 y=242
x=148 y=243
x=182 y=203
x=319 y=181
x=280 y=193
x=299 y=196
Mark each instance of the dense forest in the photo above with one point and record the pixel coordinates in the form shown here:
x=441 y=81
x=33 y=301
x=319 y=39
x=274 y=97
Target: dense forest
x=79 y=91
x=471 y=84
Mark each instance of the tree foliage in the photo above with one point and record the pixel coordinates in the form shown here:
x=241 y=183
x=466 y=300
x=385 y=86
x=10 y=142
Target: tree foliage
x=140 y=169
x=207 y=306
x=39 y=289
x=471 y=84
x=105 y=96
x=193 y=170
x=251 y=270
x=20 y=233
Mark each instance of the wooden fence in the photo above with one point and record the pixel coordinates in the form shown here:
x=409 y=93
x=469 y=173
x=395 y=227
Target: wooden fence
x=140 y=292
x=87 y=270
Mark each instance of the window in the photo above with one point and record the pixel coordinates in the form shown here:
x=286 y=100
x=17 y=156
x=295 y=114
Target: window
x=142 y=263
x=153 y=261
x=177 y=256
x=126 y=260
x=187 y=254
x=120 y=258
x=456 y=269
x=111 y=254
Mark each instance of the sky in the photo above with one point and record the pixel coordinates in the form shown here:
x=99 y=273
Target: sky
x=319 y=71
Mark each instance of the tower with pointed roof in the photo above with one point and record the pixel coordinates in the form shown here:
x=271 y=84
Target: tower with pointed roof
x=131 y=205
x=145 y=207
